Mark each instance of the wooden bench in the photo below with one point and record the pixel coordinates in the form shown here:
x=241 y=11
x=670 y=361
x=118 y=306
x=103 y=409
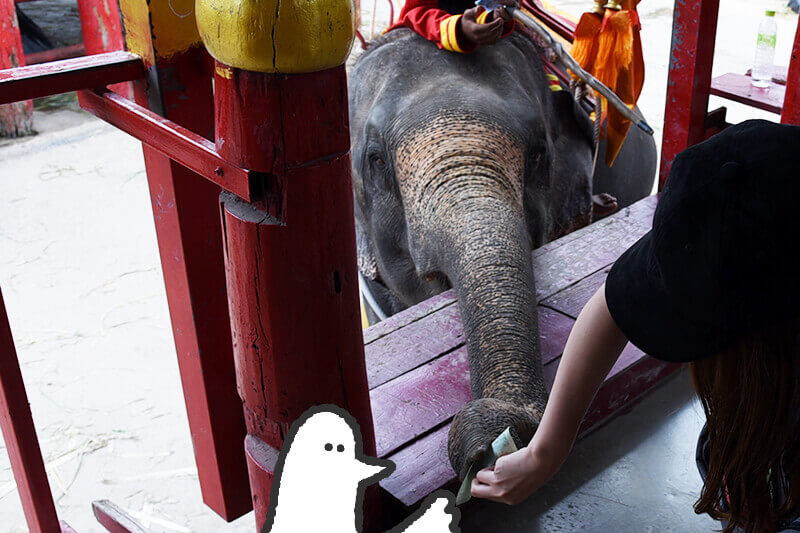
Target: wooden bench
x=738 y=88
x=417 y=362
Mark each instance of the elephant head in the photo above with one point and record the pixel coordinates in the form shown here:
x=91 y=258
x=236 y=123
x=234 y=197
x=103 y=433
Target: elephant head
x=461 y=165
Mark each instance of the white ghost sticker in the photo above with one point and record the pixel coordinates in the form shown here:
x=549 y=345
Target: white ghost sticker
x=322 y=474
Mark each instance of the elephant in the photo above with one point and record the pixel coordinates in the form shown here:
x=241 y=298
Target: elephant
x=462 y=164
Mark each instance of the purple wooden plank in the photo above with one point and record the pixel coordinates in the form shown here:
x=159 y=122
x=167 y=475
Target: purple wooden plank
x=408 y=316
x=597 y=246
x=737 y=87
x=423 y=466
x=645 y=205
x=417 y=343
x=438 y=333
x=554 y=329
x=418 y=401
x=571 y=300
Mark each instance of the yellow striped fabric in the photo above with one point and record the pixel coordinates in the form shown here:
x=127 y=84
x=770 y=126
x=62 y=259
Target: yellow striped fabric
x=448 y=30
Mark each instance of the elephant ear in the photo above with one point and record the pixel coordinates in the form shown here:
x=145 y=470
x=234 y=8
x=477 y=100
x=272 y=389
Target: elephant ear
x=570 y=114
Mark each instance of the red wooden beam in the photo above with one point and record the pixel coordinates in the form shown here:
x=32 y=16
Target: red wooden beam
x=291 y=269
x=174 y=141
x=114 y=519
x=694 y=30
x=186 y=212
x=20 y=437
x=69 y=75
x=101 y=24
x=56 y=54
x=791 y=102
x=16 y=120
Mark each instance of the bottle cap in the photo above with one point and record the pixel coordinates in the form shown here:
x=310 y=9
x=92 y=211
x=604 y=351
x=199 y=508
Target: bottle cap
x=770 y=12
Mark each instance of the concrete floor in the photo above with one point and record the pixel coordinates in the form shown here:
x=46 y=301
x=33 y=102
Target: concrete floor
x=82 y=283
x=635 y=474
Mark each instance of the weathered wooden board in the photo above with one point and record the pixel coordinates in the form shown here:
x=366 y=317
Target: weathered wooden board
x=431 y=394
x=419 y=373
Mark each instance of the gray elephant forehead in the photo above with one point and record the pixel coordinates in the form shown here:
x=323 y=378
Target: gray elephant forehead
x=458 y=150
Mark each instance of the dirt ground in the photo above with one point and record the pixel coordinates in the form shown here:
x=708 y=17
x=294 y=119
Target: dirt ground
x=82 y=282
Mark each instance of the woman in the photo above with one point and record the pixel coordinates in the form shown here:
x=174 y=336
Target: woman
x=712 y=284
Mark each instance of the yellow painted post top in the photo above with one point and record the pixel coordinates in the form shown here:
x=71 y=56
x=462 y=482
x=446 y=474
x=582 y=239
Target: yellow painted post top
x=277 y=36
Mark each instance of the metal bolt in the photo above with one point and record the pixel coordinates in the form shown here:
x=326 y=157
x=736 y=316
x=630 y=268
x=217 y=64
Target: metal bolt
x=219 y=172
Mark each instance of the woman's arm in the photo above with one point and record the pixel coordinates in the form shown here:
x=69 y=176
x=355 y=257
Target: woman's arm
x=593 y=347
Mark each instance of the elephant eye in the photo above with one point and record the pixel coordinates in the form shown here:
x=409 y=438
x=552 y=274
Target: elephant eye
x=378 y=162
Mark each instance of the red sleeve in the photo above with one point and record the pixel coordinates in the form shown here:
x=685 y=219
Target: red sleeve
x=437 y=25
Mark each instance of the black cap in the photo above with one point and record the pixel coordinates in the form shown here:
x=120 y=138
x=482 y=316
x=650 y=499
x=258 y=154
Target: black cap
x=720 y=261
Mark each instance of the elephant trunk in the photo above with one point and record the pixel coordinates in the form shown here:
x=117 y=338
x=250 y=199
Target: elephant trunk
x=464 y=198
x=485 y=254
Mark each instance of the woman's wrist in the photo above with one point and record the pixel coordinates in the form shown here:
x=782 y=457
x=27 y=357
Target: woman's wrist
x=542 y=451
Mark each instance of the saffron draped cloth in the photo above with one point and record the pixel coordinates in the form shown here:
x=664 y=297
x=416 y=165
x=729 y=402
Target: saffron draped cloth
x=608 y=45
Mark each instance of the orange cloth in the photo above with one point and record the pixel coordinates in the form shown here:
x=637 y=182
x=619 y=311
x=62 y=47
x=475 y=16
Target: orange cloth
x=437 y=25
x=609 y=47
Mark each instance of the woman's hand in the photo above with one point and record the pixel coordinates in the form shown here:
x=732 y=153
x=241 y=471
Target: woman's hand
x=593 y=346
x=516 y=476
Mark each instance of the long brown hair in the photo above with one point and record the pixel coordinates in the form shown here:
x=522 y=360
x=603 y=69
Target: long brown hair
x=750 y=393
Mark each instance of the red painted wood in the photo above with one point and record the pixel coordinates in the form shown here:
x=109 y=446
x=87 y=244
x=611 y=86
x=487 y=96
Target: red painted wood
x=738 y=87
x=114 y=519
x=694 y=31
x=101 y=24
x=420 y=400
x=438 y=333
x=294 y=99
x=186 y=212
x=278 y=288
x=791 y=104
x=563 y=26
x=420 y=341
x=16 y=120
x=408 y=316
x=571 y=300
x=69 y=75
x=178 y=143
x=290 y=258
x=20 y=437
x=56 y=54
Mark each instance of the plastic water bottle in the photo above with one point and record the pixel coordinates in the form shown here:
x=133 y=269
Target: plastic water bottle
x=761 y=75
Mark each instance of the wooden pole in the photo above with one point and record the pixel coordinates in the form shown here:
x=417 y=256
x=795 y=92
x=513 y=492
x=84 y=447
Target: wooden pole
x=186 y=211
x=16 y=120
x=694 y=30
x=291 y=256
x=20 y=437
x=791 y=101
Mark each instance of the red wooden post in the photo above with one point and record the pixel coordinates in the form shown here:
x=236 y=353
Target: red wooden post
x=186 y=210
x=290 y=257
x=20 y=437
x=101 y=25
x=791 y=102
x=16 y=120
x=694 y=31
